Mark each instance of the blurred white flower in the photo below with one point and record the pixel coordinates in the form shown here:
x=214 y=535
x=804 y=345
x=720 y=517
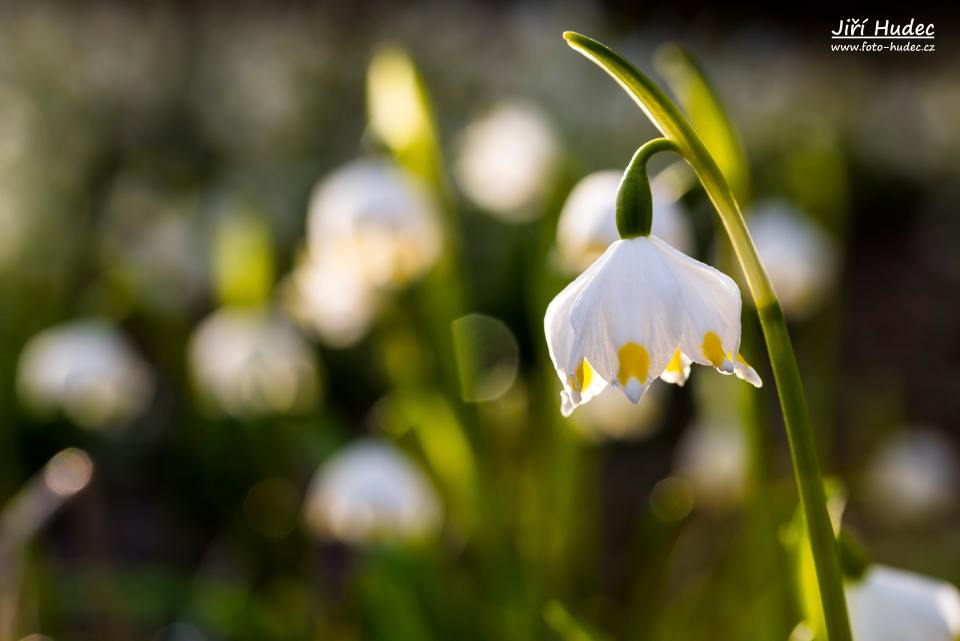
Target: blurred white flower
x=588 y=221
x=611 y=415
x=800 y=257
x=507 y=160
x=713 y=457
x=913 y=476
x=888 y=604
x=87 y=370
x=377 y=219
x=249 y=362
x=371 y=491
x=330 y=299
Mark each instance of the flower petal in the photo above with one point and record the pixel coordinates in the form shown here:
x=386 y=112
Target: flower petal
x=623 y=318
x=711 y=310
x=560 y=343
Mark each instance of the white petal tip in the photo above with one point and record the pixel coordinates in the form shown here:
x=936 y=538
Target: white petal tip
x=634 y=390
x=566 y=405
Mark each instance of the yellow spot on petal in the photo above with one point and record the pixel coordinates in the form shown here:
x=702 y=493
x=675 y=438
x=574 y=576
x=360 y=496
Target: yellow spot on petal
x=584 y=374
x=713 y=349
x=634 y=363
x=742 y=360
x=675 y=366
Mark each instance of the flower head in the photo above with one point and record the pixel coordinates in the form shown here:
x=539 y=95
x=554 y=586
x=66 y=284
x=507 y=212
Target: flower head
x=377 y=218
x=87 y=370
x=247 y=363
x=799 y=255
x=507 y=160
x=888 y=604
x=371 y=491
x=643 y=310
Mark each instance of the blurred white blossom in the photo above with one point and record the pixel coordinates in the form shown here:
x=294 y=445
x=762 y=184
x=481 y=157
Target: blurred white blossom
x=913 y=476
x=507 y=160
x=713 y=457
x=611 y=415
x=330 y=299
x=800 y=257
x=588 y=221
x=371 y=491
x=888 y=604
x=377 y=219
x=249 y=362
x=87 y=370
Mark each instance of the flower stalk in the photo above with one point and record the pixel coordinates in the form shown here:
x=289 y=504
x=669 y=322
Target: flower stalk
x=675 y=127
x=634 y=200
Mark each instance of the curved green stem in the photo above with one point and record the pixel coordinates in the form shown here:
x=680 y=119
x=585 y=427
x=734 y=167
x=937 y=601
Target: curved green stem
x=672 y=123
x=634 y=201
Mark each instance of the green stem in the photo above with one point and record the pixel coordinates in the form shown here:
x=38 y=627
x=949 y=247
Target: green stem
x=672 y=123
x=634 y=202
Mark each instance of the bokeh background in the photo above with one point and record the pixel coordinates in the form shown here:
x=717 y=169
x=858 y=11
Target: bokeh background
x=228 y=410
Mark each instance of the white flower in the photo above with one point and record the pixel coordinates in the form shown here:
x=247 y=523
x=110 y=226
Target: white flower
x=377 y=219
x=800 y=257
x=912 y=477
x=612 y=416
x=713 y=457
x=330 y=299
x=588 y=221
x=507 y=160
x=888 y=604
x=371 y=491
x=250 y=363
x=87 y=370
x=642 y=310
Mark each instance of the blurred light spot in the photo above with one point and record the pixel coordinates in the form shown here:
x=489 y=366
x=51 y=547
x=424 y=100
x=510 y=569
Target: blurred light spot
x=368 y=491
x=178 y=632
x=249 y=362
x=487 y=357
x=588 y=221
x=375 y=219
x=37 y=637
x=713 y=458
x=243 y=258
x=272 y=507
x=397 y=109
x=68 y=472
x=508 y=160
x=912 y=477
x=671 y=499
x=87 y=370
x=611 y=415
x=800 y=257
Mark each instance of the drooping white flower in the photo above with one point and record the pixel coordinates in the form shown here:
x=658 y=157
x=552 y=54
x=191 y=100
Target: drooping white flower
x=370 y=491
x=87 y=370
x=588 y=220
x=800 y=257
x=248 y=362
x=642 y=310
x=888 y=604
x=330 y=299
x=381 y=221
x=912 y=477
x=507 y=159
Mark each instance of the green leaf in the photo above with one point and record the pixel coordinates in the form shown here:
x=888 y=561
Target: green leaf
x=567 y=626
x=706 y=111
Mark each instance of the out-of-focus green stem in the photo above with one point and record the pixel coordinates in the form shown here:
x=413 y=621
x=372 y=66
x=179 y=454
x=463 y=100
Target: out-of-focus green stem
x=672 y=123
